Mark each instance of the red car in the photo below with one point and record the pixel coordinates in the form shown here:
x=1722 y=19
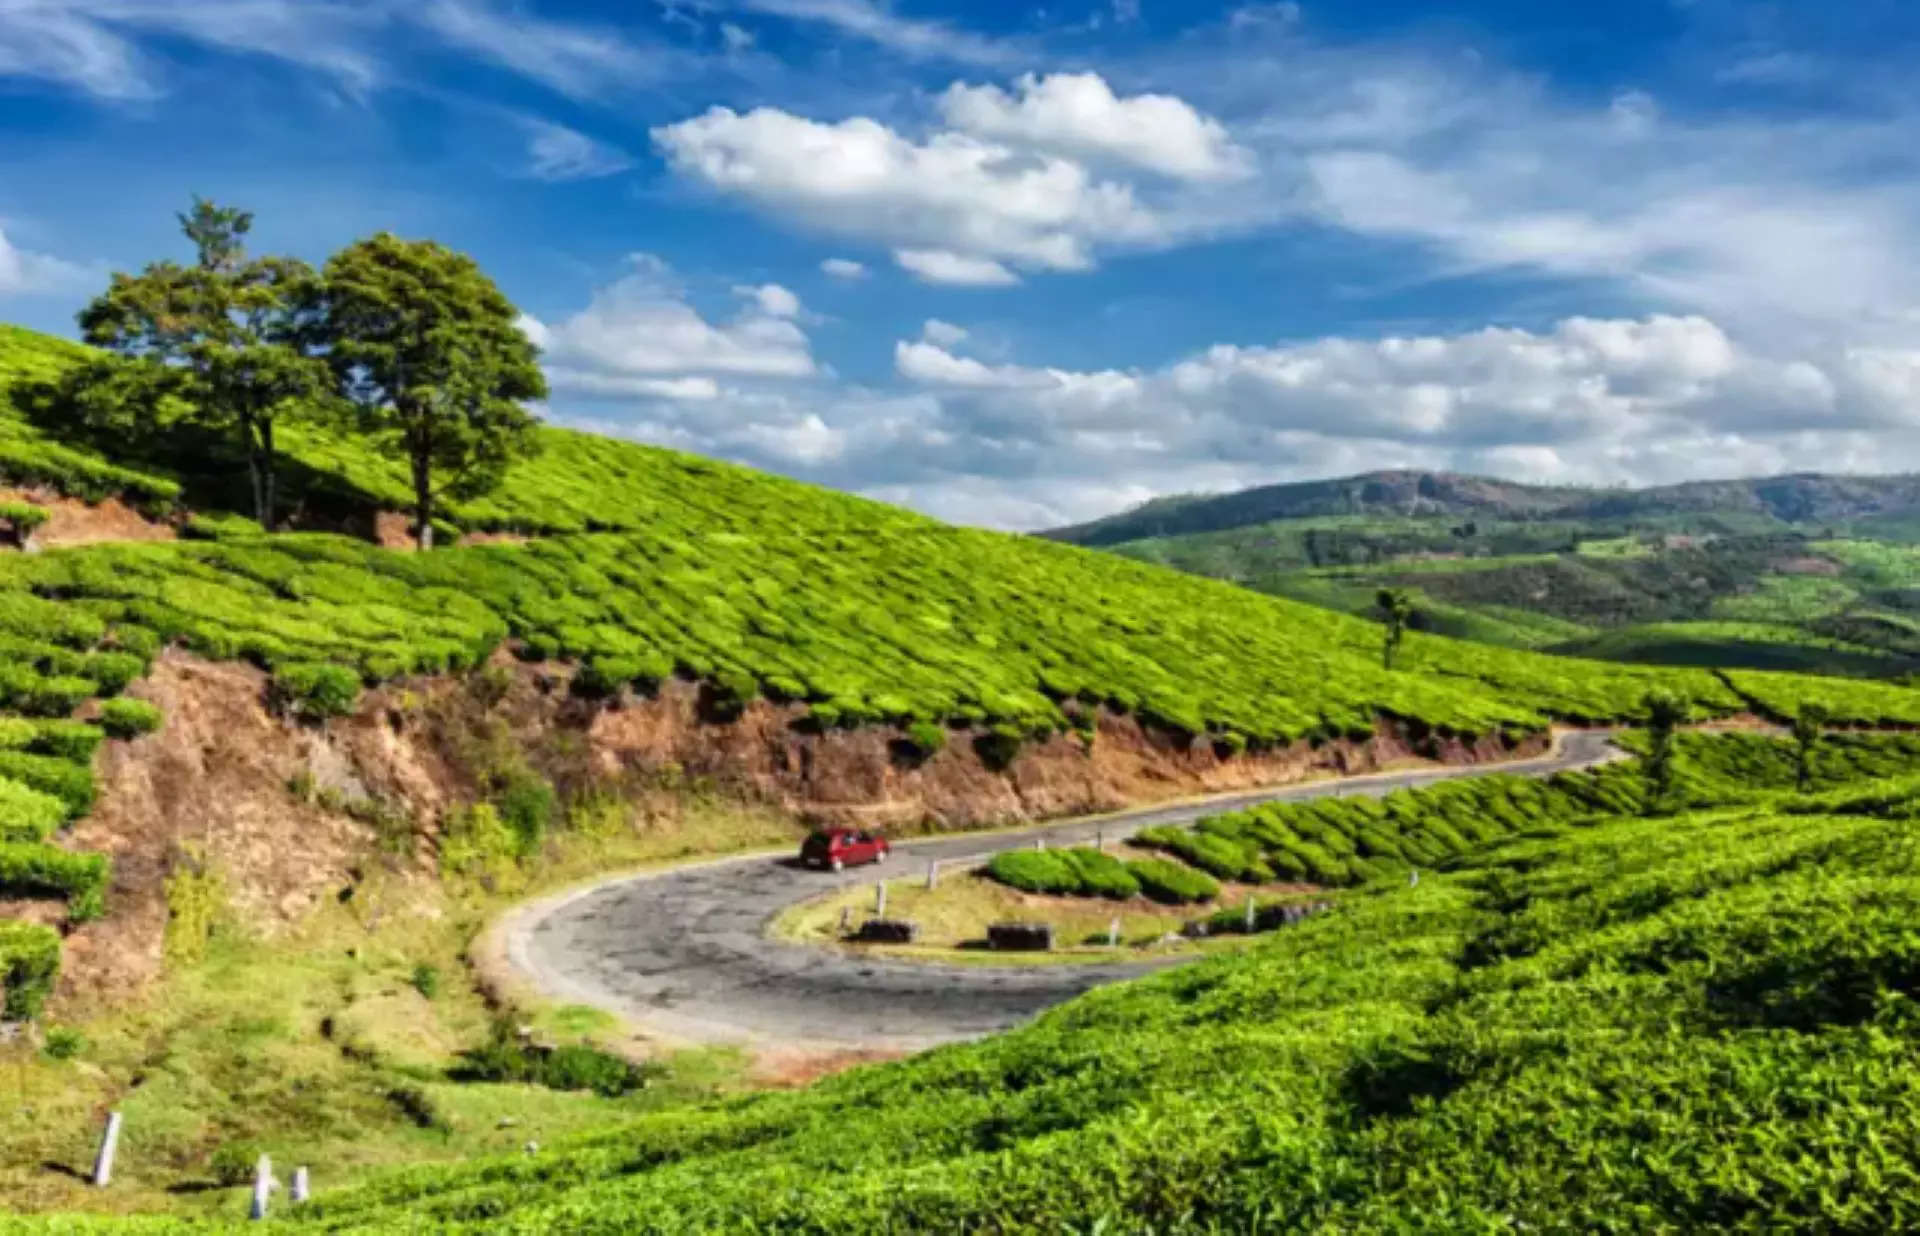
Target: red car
x=835 y=848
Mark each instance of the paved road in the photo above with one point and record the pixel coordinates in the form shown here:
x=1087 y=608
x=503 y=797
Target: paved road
x=684 y=955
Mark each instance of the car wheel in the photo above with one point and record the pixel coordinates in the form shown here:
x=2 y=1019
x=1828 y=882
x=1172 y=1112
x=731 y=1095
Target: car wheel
x=837 y=865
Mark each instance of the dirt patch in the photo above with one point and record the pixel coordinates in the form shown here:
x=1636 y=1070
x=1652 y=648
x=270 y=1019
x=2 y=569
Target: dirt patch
x=393 y=529
x=493 y=538
x=73 y=522
x=789 y=1069
x=1806 y=566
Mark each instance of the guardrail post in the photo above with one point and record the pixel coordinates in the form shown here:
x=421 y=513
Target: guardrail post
x=1413 y=876
x=933 y=871
x=1039 y=843
x=880 y=900
x=109 y=1142
x=300 y=1184
x=1249 y=913
x=1113 y=932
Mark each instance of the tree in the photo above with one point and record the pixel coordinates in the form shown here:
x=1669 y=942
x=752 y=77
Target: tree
x=1808 y=724
x=1665 y=711
x=429 y=350
x=227 y=343
x=1396 y=608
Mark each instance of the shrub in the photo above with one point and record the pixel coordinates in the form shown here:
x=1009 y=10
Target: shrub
x=28 y=814
x=233 y=1163
x=927 y=737
x=1035 y=871
x=426 y=979
x=998 y=747
x=527 y=808
x=21 y=518
x=64 y=1043
x=29 y=963
x=1172 y=883
x=576 y=1067
x=315 y=689
x=129 y=718
x=67 y=781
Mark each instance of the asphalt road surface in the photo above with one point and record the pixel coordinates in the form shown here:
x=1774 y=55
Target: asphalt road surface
x=684 y=954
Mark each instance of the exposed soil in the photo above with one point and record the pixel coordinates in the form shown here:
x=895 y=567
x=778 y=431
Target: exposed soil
x=215 y=781
x=73 y=522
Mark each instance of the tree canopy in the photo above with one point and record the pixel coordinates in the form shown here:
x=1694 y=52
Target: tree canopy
x=228 y=343
x=429 y=349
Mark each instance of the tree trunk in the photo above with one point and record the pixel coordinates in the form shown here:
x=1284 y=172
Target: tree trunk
x=423 y=496
x=267 y=476
x=247 y=430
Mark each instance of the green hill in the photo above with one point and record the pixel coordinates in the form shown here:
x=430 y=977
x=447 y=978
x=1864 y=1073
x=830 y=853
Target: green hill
x=1698 y=1022
x=1802 y=498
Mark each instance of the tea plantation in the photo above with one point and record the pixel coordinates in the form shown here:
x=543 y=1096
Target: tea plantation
x=1688 y=1022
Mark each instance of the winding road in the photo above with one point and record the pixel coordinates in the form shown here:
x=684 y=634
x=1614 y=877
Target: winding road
x=683 y=954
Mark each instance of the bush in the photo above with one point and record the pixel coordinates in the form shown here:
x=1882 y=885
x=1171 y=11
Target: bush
x=21 y=518
x=527 y=808
x=67 y=781
x=27 y=814
x=315 y=689
x=1170 y=882
x=128 y=718
x=998 y=747
x=233 y=1164
x=927 y=737
x=426 y=979
x=29 y=963
x=1084 y=872
x=577 y=1067
x=64 y=1043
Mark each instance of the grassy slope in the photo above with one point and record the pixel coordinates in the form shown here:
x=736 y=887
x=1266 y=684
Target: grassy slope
x=1610 y=1024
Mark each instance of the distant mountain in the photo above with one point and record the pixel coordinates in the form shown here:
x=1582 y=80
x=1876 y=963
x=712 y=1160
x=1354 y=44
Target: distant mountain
x=1799 y=498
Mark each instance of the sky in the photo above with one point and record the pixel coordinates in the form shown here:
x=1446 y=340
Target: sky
x=1021 y=264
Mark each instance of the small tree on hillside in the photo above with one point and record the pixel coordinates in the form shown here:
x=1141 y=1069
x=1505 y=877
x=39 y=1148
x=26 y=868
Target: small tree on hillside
x=428 y=348
x=1808 y=725
x=1665 y=711
x=226 y=343
x=1396 y=608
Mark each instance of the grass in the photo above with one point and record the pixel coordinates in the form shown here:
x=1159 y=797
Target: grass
x=954 y=915
x=322 y=1048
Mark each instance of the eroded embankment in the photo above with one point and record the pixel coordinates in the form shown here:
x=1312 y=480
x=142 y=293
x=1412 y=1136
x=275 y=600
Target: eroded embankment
x=292 y=813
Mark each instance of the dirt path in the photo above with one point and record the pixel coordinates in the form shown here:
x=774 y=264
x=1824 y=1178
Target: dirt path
x=683 y=955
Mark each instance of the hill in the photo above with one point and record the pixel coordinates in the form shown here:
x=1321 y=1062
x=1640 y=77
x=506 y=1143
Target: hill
x=1802 y=498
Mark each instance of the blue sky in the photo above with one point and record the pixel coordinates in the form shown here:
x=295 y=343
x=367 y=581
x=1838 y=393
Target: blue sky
x=1018 y=264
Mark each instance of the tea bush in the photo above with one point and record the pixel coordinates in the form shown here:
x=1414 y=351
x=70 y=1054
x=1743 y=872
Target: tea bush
x=1084 y=871
x=129 y=718
x=29 y=961
x=1164 y=880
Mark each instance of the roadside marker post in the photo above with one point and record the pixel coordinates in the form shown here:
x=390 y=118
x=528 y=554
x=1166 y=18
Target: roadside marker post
x=262 y=1186
x=300 y=1184
x=103 y=1161
x=880 y=901
x=1249 y=913
x=933 y=872
x=1113 y=932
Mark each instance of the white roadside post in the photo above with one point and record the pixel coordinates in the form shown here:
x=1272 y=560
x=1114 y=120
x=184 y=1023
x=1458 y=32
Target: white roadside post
x=1039 y=843
x=1413 y=877
x=1249 y=913
x=880 y=900
x=109 y=1142
x=300 y=1184
x=1099 y=838
x=933 y=871
x=1113 y=932
x=262 y=1186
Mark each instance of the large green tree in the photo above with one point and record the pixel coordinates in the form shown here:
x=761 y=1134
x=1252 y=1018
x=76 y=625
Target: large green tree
x=227 y=343
x=430 y=351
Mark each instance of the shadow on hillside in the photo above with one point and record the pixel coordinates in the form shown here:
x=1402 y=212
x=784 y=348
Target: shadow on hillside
x=210 y=467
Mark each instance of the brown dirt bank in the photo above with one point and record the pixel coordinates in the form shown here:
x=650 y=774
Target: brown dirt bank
x=216 y=783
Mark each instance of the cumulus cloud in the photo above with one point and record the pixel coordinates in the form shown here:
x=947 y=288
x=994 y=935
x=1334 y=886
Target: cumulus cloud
x=25 y=273
x=771 y=299
x=843 y=268
x=1078 y=114
x=952 y=194
x=638 y=336
x=954 y=269
x=943 y=334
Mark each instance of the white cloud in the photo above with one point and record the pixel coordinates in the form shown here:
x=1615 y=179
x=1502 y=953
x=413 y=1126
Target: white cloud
x=1078 y=114
x=24 y=273
x=942 y=334
x=843 y=268
x=953 y=194
x=737 y=38
x=933 y=364
x=555 y=152
x=771 y=299
x=932 y=40
x=954 y=269
x=86 y=43
x=638 y=336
